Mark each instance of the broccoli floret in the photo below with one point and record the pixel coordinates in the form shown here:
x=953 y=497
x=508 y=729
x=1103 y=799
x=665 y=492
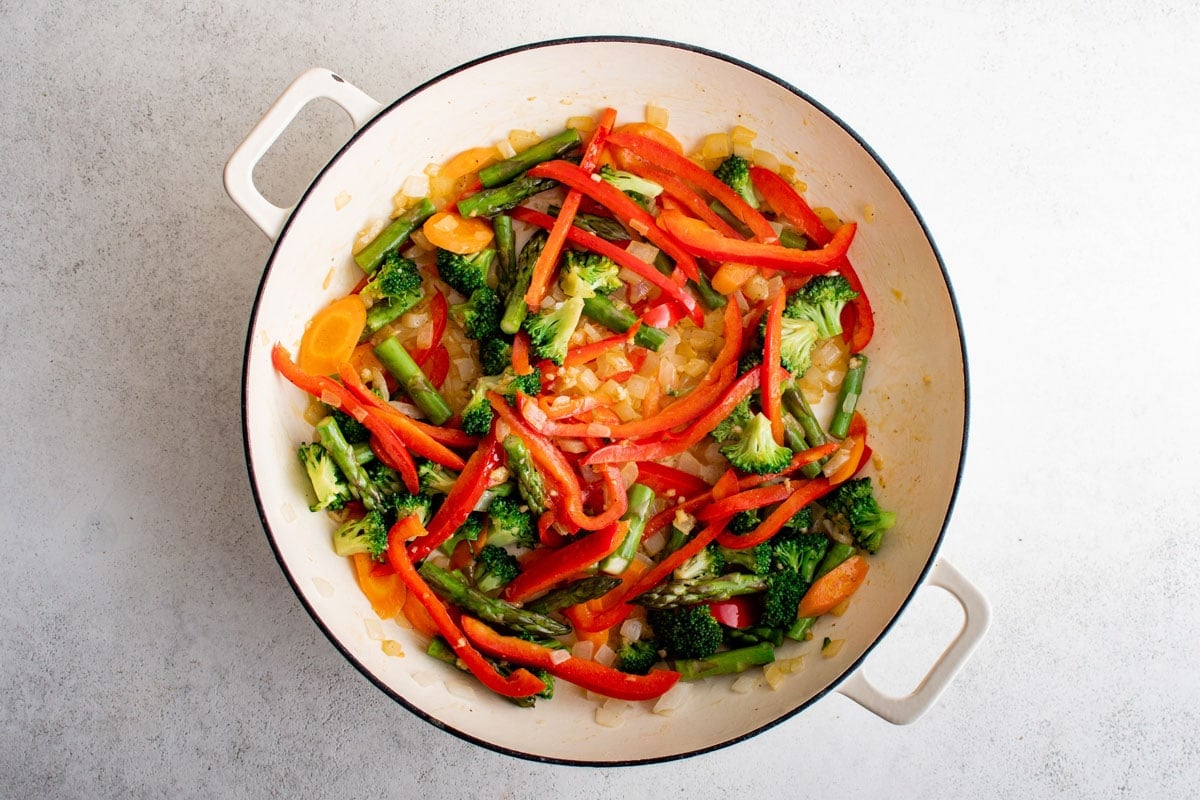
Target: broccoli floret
x=801 y=554
x=744 y=521
x=735 y=423
x=386 y=480
x=686 y=631
x=800 y=522
x=755 y=449
x=510 y=524
x=550 y=331
x=495 y=354
x=333 y=492
x=467 y=532
x=640 y=190
x=588 y=274
x=821 y=300
x=636 y=658
x=854 y=501
x=796 y=340
x=395 y=288
x=397 y=281
x=367 y=534
x=434 y=478
x=465 y=273
x=755 y=560
x=734 y=172
x=479 y=316
x=476 y=416
x=404 y=504
x=708 y=563
x=353 y=430
x=494 y=567
x=781 y=599
x=751 y=359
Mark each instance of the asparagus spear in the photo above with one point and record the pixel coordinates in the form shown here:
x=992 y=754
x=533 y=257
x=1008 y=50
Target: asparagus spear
x=640 y=497
x=553 y=147
x=573 y=593
x=701 y=590
x=603 y=227
x=414 y=382
x=847 y=399
x=393 y=236
x=515 y=309
x=489 y=202
x=727 y=662
x=797 y=408
x=490 y=609
x=529 y=480
x=506 y=253
x=837 y=553
x=615 y=318
x=342 y=453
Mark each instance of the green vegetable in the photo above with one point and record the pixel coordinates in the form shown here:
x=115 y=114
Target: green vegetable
x=545 y=150
x=465 y=273
x=490 y=202
x=685 y=632
x=434 y=478
x=412 y=380
x=692 y=591
x=454 y=589
x=573 y=593
x=847 y=399
x=640 y=499
x=733 y=425
x=360 y=483
x=326 y=478
x=550 y=331
x=515 y=308
x=477 y=414
x=854 y=501
x=821 y=300
x=479 y=316
x=494 y=568
x=395 y=288
x=755 y=450
x=529 y=480
x=368 y=534
x=588 y=274
x=393 y=237
x=637 y=658
x=727 y=662
x=603 y=310
x=509 y=523
x=734 y=172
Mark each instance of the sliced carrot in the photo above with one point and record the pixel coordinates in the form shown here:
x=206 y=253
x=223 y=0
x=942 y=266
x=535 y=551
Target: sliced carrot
x=386 y=593
x=332 y=335
x=834 y=587
x=457 y=234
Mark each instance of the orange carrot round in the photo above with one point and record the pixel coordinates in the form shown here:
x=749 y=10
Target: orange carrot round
x=834 y=587
x=331 y=336
x=457 y=234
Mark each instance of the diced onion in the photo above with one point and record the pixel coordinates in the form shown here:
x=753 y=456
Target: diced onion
x=657 y=115
x=610 y=717
x=324 y=587
x=583 y=649
x=629 y=472
x=742 y=135
x=424 y=678
x=745 y=683
x=559 y=656
x=461 y=689
x=374 y=629
x=766 y=160
x=605 y=655
x=716 y=145
x=506 y=149
x=672 y=699
x=833 y=648
x=654 y=544
x=631 y=630
x=391 y=647
x=643 y=251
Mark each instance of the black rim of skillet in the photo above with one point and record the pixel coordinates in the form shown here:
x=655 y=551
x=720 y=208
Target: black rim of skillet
x=766 y=725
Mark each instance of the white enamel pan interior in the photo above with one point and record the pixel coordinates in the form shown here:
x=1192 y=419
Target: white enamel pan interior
x=916 y=395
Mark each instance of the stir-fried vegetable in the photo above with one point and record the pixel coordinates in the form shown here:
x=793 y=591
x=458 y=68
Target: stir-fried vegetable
x=603 y=445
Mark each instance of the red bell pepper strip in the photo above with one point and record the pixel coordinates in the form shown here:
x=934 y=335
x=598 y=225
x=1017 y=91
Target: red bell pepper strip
x=669 y=481
x=676 y=164
x=654 y=576
x=772 y=386
x=386 y=442
x=747 y=500
x=413 y=435
x=645 y=451
x=582 y=672
x=786 y=202
x=622 y=257
x=740 y=611
x=462 y=499
x=702 y=241
x=789 y=203
x=666 y=160
x=561 y=563
x=621 y=205
x=559 y=473
x=688 y=199
x=593 y=350
x=439 y=312
x=437 y=367
x=521 y=683
x=805 y=493
x=543 y=269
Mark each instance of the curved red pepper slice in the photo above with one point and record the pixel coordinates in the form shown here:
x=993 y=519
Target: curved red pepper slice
x=804 y=494
x=620 y=204
x=674 y=163
x=771 y=383
x=562 y=562
x=669 y=481
x=463 y=497
x=582 y=672
x=701 y=240
x=521 y=683
x=620 y=256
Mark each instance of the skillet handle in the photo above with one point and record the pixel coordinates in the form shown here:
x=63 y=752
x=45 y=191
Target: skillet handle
x=976 y=618
x=239 y=171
